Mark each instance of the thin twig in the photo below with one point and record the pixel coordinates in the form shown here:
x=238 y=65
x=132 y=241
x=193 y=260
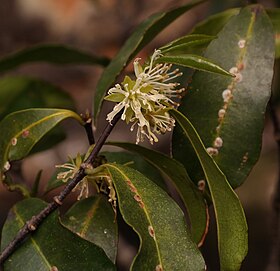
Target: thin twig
x=31 y=225
x=274 y=260
x=88 y=127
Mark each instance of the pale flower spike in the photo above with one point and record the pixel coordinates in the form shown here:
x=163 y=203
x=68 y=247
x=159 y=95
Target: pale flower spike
x=146 y=100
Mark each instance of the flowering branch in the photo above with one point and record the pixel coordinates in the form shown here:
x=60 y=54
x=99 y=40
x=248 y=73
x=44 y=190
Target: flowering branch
x=145 y=103
x=88 y=127
x=31 y=225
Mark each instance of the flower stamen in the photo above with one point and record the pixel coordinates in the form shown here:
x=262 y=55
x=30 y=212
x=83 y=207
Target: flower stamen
x=146 y=100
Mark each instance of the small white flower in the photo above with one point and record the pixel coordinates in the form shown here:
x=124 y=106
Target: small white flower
x=158 y=122
x=82 y=186
x=161 y=121
x=158 y=77
x=145 y=101
x=69 y=171
x=97 y=176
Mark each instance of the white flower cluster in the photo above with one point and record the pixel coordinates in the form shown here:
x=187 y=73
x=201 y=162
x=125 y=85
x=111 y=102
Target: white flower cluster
x=69 y=170
x=145 y=101
x=97 y=176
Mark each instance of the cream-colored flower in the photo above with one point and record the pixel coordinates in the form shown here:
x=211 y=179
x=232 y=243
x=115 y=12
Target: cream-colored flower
x=68 y=172
x=97 y=176
x=157 y=122
x=145 y=101
x=69 y=169
x=158 y=76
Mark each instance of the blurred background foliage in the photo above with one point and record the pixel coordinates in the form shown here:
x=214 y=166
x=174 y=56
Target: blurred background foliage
x=101 y=27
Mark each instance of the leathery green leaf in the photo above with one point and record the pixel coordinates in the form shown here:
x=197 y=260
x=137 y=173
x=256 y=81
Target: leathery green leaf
x=194 y=62
x=51 y=247
x=212 y=25
x=18 y=92
x=93 y=219
x=50 y=53
x=228 y=113
x=230 y=218
x=23 y=129
x=141 y=36
x=123 y=158
x=165 y=243
x=189 y=193
x=185 y=43
x=136 y=161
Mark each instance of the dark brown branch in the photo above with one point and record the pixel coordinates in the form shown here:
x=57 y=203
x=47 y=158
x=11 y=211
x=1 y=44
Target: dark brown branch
x=31 y=225
x=88 y=127
x=274 y=260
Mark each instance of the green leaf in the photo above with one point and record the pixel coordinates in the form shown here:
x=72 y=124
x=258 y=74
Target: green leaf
x=191 y=196
x=133 y=161
x=141 y=36
x=230 y=218
x=17 y=93
x=235 y=121
x=23 y=129
x=50 y=139
x=51 y=245
x=187 y=43
x=215 y=23
x=274 y=15
x=50 y=53
x=93 y=219
x=137 y=162
x=165 y=243
x=194 y=62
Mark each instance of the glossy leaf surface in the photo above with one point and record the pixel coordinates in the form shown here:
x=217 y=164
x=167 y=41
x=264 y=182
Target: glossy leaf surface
x=131 y=160
x=212 y=25
x=191 y=196
x=165 y=243
x=23 y=129
x=51 y=245
x=50 y=53
x=93 y=219
x=141 y=36
x=194 y=62
x=137 y=162
x=228 y=113
x=17 y=93
x=230 y=218
x=186 y=43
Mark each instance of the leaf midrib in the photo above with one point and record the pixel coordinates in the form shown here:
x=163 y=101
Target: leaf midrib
x=67 y=113
x=240 y=59
x=147 y=215
x=89 y=217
